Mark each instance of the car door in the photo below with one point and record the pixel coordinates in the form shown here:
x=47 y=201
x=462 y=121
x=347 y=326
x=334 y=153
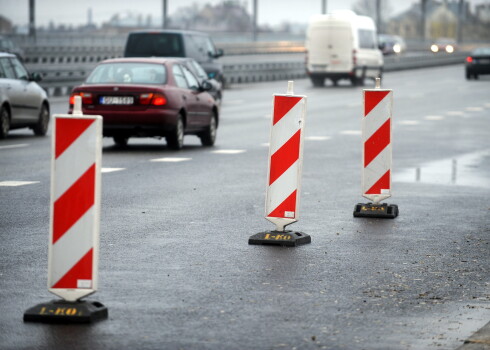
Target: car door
x=29 y=98
x=203 y=112
x=12 y=90
x=188 y=96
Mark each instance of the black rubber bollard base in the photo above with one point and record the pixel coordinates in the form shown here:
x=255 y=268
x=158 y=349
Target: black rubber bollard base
x=370 y=210
x=61 y=311
x=286 y=238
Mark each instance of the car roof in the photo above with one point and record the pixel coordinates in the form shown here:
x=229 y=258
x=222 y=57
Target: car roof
x=6 y=54
x=170 y=31
x=157 y=60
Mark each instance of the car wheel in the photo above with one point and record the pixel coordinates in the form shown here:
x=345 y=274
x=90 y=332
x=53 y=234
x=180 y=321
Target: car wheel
x=176 y=138
x=318 y=81
x=476 y=76
x=335 y=82
x=208 y=137
x=4 y=122
x=41 y=127
x=121 y=141
x=355 y=81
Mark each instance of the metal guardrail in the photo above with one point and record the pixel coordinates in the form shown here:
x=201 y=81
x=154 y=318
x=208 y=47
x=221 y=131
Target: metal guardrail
x=63 y=68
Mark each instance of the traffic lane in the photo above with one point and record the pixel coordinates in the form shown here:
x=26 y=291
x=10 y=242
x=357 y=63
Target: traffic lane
x=224 y=257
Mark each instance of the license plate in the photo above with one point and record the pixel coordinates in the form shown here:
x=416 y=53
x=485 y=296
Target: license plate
x=116 y=100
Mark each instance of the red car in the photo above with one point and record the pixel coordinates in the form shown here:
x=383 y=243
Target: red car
x=149 y=97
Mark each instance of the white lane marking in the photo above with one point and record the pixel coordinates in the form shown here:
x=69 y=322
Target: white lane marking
x=354 y=105
x=317 y=138
x=351 y=132
x=170 y=159
x=14 y=146
x=268 y=116
x=17 y=183
x=111 y=170
x=229 y=151
x=434 y=117
x=409 y=122
x=234 y=102
x=487 y=105
x=474 y=109
x=455 y=113
x=265 y=144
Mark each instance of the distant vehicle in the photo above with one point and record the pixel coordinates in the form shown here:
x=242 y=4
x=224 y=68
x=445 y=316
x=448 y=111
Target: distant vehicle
x=391 y=44
x=447 y=45
x=478 y=62
x=177 y=43
x=7 y=45
x=216 y=87
x=23 y=103
x=149 y=97
x=342 y=45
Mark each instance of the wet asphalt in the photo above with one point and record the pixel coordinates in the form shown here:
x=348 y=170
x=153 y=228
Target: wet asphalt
x=176 y=271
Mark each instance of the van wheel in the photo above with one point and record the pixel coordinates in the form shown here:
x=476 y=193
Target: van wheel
x=121 y=141
x=335 y=82
x=355 y=81
x=318 y=81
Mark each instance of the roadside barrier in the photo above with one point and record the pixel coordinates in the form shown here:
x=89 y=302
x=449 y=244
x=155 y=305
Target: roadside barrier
x=75 y=220
x=284 y=173
x=376 y=154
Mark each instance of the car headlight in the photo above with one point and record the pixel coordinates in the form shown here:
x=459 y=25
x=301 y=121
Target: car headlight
x=434 y=48
x=449 y=49
x=397 y=48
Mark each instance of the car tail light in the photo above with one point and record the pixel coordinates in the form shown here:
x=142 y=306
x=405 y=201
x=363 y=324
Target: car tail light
x=158 y=100
x=469 y=59
x=154 y=99
x=86 y=98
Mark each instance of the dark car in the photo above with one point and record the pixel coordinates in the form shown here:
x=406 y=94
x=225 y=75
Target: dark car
x=23 y=103
x=216 y=87
x=391 y=44
x=149 y=97
x=478 y=62
x=447 y=45
x=177 y=43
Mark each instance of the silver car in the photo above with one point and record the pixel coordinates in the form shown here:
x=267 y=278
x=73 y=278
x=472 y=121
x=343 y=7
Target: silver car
x=23 y=103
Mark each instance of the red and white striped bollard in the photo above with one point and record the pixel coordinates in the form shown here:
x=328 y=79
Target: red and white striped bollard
x=377 y=154
x=285 y=167
x=75 y=220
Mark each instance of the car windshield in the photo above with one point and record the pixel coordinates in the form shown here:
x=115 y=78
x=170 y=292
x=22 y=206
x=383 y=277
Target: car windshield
x=128 y=73
x=482 y=51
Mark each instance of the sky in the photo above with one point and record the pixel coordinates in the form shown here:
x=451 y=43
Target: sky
x=270 y=12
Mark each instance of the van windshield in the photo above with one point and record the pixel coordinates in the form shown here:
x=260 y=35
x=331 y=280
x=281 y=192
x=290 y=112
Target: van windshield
x=154 y=44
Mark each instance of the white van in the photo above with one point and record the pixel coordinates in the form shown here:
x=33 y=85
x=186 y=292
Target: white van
x=342 y=45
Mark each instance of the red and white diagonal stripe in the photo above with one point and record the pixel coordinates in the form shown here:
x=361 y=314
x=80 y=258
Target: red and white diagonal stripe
x=377 y=153
x=285 y=160
x=75 y=207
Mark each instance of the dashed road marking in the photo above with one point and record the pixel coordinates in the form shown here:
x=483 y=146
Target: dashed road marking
x=265 y=144
x=474 y=109
x=351 y=132
x=317 y=138
x=17 y=183
x=267 y=116
x=434 y=117
x=111 y=170
x=14 y=146
x=487 y=105
x=456 y=113
x=170 y=159
x=409 y=122
x=229 y=151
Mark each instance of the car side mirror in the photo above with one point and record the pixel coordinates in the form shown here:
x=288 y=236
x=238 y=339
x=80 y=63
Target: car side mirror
x=217 y=53
x=206 y=85
x=35 y=77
